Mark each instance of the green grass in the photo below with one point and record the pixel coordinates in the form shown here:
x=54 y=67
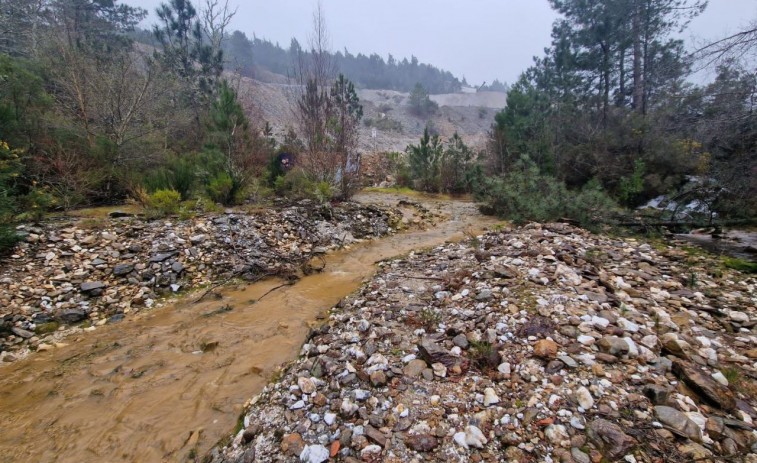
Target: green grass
x=408 y=192
x=740 y=265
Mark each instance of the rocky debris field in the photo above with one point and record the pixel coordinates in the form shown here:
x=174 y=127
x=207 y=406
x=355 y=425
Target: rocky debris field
x=82 y=274
x=537 y=344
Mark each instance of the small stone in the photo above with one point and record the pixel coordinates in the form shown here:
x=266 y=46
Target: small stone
x=421 y=442
x=91 y=286
x=627 y=325
x=314 y=454
x=22 y=332
x=292 y=444
x=546 y=349
x=490 y=397
x=474 y=437
x=71 y=316
x=578 y=456
x=504 y=368
x=371 y=453
x=378 y=378
x=414 y=368
x=329 y=418
x=584 y=398
x=123 y=269
x=461 y=341
x=556 y=433
x=613 y=345
x=658 y=395
x=306 y=385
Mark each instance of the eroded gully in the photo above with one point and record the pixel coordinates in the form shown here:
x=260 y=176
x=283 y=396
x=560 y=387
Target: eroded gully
x=168 y=385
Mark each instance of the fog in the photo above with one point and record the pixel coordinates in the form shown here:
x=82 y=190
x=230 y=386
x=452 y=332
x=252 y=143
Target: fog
x=478 y=39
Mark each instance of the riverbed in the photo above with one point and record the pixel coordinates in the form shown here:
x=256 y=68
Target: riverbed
x=167 y=385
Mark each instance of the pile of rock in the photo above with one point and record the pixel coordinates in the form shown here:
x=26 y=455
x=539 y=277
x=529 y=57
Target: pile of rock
x=544 y=343
x=65 y=273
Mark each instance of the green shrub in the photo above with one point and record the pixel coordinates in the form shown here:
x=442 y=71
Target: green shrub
x=740 y=265
x=164 y=202
x=323 y=192
x=10 y=169
x=526 y=195
x=221 y=188
x=37 y=203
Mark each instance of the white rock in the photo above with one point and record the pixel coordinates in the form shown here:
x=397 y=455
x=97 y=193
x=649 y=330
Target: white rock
x=504 y=368
x=314 y=454
x=329 y=418
x=628 y=325
x=459 y=438
x=298 y=405
x=490 y=397
x=650 y=341
x=739 y=317
x=719 y=377
x=600 y=322
x=571 y=277
x=367 y=454
x=584 y=398
x=361 y=394
x=474 y=437
x=556 y=433
x=586 y=340
x=577 y=422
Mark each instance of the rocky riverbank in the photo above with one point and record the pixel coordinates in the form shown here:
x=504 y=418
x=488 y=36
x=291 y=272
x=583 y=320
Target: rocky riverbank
x=72 y=275
x=543 y=343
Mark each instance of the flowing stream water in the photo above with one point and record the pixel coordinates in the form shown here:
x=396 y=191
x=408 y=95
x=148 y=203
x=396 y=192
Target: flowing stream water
x=169 y=384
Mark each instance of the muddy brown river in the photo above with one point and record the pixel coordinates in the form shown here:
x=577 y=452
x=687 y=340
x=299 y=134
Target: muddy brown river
x=167 y=385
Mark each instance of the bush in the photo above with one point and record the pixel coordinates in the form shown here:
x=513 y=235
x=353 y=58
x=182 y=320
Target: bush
x=221 y=188
x=10 y=169
x=164 y=202
x=526 y=195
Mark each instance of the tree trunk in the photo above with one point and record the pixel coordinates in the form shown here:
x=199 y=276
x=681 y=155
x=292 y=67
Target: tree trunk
x=638 y=84
x=620 y=100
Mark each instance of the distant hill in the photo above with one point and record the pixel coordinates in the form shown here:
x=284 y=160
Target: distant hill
x=262 y=59
x=366 y=71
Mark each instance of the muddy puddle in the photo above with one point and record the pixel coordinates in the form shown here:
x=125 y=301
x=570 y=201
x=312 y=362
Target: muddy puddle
x=168 y=385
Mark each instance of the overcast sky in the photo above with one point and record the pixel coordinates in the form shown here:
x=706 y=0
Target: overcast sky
x=479 y=39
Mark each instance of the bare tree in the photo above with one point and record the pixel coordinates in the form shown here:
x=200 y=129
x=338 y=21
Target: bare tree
x=313 y=73
x=215 y=19
x=734 y=47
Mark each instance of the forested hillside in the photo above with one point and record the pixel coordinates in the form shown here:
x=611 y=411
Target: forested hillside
x=371 y=72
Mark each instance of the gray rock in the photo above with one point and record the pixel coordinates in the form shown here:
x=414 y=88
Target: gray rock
x=22 y=332
x=177 y=267
x=162 y=257
x=461 y=341
x=123 y=269
x=71 y=316
x=579 y=456
x=92 y=286
x=657 y=394
x=678 y=422
x=433 y=353
x=613 y=345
